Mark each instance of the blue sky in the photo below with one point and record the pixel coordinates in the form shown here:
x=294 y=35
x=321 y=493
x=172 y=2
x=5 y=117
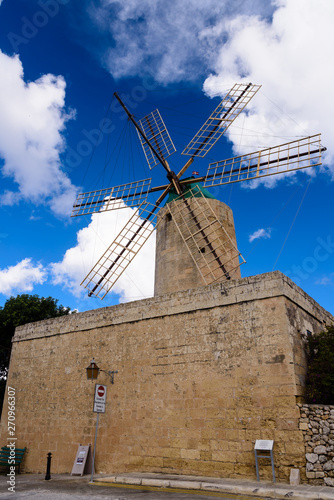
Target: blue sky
x=62 y=133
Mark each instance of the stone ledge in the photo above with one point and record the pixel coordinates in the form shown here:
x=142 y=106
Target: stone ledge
x=159 y=483
x=221 y=485
x=257 y=287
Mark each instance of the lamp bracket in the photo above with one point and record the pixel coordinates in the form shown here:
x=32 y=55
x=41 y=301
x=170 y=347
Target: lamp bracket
x=110 y=373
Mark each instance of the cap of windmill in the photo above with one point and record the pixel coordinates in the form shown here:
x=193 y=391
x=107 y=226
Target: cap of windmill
x=176 y=267
x=192 y=189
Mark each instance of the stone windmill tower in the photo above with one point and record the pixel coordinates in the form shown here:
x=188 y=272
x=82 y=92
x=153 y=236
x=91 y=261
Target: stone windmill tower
x=175 y=268
x=196 y=242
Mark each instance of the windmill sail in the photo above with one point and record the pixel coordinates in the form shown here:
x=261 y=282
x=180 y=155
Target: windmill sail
x=125 y=195
x=288 y=157
x=221 y=118
x=156 y=132
x=210 y=246
x=121 y=252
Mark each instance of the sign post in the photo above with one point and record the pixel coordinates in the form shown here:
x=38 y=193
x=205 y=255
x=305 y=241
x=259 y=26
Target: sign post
x=264 y=445
x=99 y=406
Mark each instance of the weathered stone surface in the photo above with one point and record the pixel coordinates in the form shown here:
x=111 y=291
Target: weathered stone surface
x=321 y=445
x=175 y=269
x=320 y=450
x=328 y=465
x=201 y=375
x=303 y=426
x=311 y=457
x=295 y=477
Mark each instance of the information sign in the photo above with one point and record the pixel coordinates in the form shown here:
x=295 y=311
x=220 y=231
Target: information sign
x=265 y=446
x=83 y=461
x=262 y=444
x=100 y=398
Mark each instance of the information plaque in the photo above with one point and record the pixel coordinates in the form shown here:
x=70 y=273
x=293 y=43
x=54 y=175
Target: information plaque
x=264 y=445
x=83 y=461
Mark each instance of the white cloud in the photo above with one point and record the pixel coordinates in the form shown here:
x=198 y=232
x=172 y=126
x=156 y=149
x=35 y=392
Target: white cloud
x=22 y=277
x=289 y=55
x=31 y=126
x=260 y=233
x=326 y=280
x=9 y=198
x=136 y=282
x=166 y=39
x=285 y=45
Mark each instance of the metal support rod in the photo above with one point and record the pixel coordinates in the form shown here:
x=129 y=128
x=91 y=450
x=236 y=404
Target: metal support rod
x=97 y=424
x=271 y=457
x=257 y=466
x=110 y=373
x=272 y=465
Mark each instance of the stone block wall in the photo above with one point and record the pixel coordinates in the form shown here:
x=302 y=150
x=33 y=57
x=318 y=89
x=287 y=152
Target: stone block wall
x=317 y=424
x=175 y=269
x=202 y=374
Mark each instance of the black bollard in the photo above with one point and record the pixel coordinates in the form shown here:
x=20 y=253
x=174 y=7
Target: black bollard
x=48 y=467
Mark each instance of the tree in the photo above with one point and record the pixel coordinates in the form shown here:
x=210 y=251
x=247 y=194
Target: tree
x=19 y=311
x=320 y=373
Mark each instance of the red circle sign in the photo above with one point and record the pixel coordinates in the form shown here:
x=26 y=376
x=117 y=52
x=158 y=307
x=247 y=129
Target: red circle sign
x=100 y=391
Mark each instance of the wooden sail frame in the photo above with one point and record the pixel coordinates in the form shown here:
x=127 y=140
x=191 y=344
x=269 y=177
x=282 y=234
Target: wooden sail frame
x=204 y=234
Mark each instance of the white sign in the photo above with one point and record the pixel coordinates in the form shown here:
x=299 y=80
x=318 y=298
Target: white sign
x=81 y=456
x=83 y=461
x=100 y=398
x=262 y=444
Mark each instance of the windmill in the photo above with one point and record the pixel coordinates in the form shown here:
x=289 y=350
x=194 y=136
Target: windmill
x=205 y=238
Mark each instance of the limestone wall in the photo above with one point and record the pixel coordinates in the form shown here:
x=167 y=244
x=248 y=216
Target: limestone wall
x=201 y=375
x=317 y=424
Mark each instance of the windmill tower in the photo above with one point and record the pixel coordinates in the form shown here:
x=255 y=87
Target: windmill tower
x=177 y=269
x=196 y=242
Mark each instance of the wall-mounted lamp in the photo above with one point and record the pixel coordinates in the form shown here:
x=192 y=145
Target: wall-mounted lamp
x=93 y=370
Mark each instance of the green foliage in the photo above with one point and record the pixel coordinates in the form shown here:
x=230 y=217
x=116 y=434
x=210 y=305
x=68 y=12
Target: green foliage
x=19 y=311
x=320 y=375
